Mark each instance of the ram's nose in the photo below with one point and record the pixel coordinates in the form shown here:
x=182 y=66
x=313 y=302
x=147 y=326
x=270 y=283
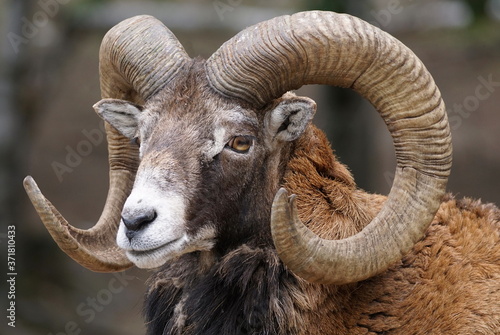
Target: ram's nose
x=137 y=221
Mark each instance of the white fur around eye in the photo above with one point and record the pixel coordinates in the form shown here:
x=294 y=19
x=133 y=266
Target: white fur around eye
x=213 y=148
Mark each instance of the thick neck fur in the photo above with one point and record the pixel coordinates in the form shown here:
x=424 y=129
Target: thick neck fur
x=248 y=290
x=328 y=201
x=245 y=292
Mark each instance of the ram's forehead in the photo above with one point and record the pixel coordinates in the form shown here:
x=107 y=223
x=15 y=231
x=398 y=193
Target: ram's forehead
x=237 y=116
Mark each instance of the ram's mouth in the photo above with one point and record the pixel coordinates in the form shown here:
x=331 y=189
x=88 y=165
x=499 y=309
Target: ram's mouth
x=155 y=257
x=145 y=252
x=204 y=240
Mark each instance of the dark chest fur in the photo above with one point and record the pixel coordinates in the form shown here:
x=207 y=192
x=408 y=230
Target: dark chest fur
x=248 y=291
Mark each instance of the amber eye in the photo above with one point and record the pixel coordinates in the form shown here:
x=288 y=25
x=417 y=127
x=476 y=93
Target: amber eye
x=240 y=144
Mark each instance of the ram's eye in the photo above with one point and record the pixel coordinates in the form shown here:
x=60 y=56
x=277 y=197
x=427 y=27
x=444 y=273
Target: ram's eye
x=136 y=140
x=240 y=144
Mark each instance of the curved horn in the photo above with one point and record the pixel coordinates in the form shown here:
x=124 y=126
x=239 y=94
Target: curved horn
x=264 y=61
x=138 y=57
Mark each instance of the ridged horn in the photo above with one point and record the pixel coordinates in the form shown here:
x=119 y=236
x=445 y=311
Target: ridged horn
x=264 y=61
x=138 y=57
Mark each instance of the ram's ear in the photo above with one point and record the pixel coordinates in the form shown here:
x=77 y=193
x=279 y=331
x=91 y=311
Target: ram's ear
x=290 y=117
x=121 y=114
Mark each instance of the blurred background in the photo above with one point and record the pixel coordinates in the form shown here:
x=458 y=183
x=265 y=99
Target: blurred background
x=49 y=82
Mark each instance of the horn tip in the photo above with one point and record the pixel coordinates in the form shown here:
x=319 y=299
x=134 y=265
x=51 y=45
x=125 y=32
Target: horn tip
x=28 y=180
x=30 y=186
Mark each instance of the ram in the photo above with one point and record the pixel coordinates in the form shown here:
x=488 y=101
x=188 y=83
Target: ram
x=219 y=181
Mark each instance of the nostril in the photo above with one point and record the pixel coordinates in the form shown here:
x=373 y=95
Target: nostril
x=136 y=223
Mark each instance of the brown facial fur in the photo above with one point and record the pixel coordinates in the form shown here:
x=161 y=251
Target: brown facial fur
x=229 y=190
